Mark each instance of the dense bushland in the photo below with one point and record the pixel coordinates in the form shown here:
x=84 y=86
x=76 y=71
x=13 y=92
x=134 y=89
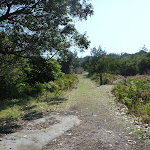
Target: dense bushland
x=124 y=64
x=48 y=97
x=24 y=77
x=27 y=83
x=134 y=92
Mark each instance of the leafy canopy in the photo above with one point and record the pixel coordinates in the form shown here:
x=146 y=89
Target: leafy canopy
x=31 y=27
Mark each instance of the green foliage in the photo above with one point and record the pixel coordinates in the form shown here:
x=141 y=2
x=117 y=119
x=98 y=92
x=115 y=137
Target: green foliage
x=108 y=65
x=42 y=70
x=100 y=61
x=70 y=62
x=96 y=77
x=84 y=61
x=51 y=86
x=124 y=64
x=96 y=55
x=79 y=70
x=31 y=28
x=68 y=81
x=10 y=76
x=144 y=64
x=128 y=66
x=25 y=89
x=48 y=99
x=25 y=77
x=134 y=92
x=107 y=78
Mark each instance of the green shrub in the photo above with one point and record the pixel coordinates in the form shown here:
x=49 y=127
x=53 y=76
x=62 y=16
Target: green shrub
x=109 y=78
x=66 y=82
x=106 y=78
x=42 y=70
x=79 y=70
x=135 y=94
x=51 y=86
x=22 y=88
x=25 y=89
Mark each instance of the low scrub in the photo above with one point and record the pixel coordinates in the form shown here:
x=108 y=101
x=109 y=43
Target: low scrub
x=79 y=70
x=134 y=92
x=66 y=82
x=106 y=78
x=47 y=95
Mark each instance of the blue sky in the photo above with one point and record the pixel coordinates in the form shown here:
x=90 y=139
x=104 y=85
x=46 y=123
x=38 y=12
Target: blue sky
x=118 y=25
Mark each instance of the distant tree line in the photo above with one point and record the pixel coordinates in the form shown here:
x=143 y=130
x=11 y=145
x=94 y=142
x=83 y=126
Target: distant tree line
x=123 y=64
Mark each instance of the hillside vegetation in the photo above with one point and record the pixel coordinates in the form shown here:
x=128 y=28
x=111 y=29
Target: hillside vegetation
x=134 y=92
x=119 y=64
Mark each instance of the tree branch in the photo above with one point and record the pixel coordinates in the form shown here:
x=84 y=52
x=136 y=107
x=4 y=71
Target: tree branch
x=17 y=53
x=9 y=6
x=30 y=57
x=24 y=10
x=53 y=55
x=2 y=2
x=11 y=52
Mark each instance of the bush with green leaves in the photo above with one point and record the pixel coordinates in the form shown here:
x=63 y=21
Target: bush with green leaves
x=66 y=82
x=51 y=86
x=42 y=70
x=106 y=78
x=79 y=70
x=25 y=89
x=134 y=92
x=24 y=77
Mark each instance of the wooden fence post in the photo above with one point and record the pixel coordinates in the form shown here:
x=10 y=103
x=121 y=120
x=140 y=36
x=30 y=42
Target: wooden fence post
x=101 y=79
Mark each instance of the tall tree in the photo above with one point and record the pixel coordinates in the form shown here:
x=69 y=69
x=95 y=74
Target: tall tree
x=31 y=27
x=70 y=63
x=98 y=53
x=93 y=62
